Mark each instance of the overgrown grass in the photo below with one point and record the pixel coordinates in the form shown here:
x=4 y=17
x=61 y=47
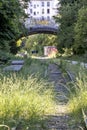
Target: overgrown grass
x=25 y=96
x=35 y=67
x=77 y=90
x=79 y=58
x=78 y=97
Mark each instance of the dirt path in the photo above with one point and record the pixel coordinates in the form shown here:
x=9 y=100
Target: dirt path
x=60 y=120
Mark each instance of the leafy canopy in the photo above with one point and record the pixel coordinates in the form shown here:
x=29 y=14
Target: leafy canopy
x=12 y=15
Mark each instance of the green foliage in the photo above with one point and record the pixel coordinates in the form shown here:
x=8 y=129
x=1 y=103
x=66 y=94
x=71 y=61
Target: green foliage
x=67 y=52
x=66 y=19
x=72 y=18
x=68 y=1
x=80 y=45
x=11 y=20
x=37 y=42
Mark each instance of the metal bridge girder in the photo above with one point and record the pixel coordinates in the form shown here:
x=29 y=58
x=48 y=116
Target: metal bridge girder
x=43 y=29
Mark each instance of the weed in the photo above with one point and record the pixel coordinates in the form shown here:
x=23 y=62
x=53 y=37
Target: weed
x=25 y=96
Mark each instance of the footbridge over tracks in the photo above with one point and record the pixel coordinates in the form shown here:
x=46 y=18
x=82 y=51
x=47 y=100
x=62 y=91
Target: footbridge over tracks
x=46 y=27
x=42 y=29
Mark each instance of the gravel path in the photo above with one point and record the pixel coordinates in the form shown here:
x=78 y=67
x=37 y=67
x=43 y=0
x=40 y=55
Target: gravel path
x=60 y=120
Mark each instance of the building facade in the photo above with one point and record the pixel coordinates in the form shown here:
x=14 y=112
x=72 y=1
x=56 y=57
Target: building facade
x=42 y=9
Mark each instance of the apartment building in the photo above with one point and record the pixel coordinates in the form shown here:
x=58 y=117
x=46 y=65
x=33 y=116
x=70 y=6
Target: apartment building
x=42 y=9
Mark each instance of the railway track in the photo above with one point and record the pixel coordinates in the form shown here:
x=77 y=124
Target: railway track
x=61 y=119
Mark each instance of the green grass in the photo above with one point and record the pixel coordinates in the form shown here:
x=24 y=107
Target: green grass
x=77 y=91
x=78 y=97
x=78 y=88
x=78 y=100
x=26 y=96
x=79 y=58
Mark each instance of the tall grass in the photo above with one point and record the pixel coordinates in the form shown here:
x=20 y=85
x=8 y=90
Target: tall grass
x=24 y=96
x=76 y=91
x=78 y=97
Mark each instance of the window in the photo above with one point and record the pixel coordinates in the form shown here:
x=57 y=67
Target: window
x=31 y=11
x=42 y=17
x=43 y=4
x=48 y=18
x=48 y=11
x=31 y=4
x=48 y=3
x=42 y=11
x=37 y=12
x=34 y=13
x=34 y=6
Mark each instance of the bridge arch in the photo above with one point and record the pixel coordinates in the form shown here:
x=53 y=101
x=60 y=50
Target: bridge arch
x=42 y=29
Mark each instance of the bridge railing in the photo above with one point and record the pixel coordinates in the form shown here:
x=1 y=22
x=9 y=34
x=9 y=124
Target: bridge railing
x=42 y=27
x=32 y=23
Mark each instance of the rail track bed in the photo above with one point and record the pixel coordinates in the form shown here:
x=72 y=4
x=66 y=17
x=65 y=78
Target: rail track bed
x=61 y=119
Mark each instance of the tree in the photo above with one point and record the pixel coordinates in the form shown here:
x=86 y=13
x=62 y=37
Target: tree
x=39 y=41
x=11 y=23
x=67 y=18
x=80 y=45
